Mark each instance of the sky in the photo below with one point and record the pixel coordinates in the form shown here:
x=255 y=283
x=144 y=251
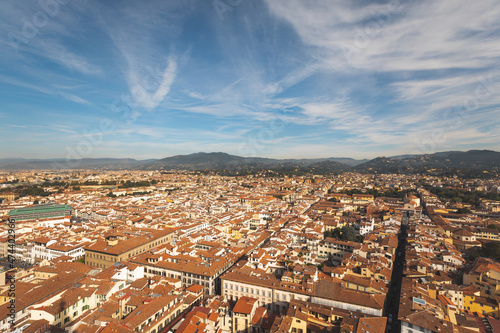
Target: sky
x=271 y=78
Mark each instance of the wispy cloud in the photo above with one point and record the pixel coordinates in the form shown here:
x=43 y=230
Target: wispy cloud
x=433 y=55
x=160 y=86
x=58 y=53
x=44 y=90
x=398 y=35
x=338 y=76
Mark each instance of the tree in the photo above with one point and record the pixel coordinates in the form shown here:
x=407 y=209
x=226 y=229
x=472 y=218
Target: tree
x=494 y=226
x=33 y=191
x=76 y=188
x=491 y=250
x=464 y=210
x=36 y=202
x=336 y=233
x=348 y=233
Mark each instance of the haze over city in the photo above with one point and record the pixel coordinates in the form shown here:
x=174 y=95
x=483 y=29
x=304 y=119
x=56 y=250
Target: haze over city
x=277 y=78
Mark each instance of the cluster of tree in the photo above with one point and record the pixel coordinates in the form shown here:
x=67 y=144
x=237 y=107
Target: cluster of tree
x=464 y=210
x=33 y=191
x=54 y=184
x=142 y=183
x=494 y=226
x=112 y=195
x=170 y=190
x=463 y=196
x=15 y=181
x=488 y=250
x=345 y=233
x=139 y=193
x=96 y=182
x=469 y=173
x=390 y=193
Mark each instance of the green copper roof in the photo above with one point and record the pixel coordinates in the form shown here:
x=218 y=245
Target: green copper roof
x=42 y=210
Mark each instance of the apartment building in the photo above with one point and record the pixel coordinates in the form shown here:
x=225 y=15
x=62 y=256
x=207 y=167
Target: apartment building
x=188 y=270
x=117 y=247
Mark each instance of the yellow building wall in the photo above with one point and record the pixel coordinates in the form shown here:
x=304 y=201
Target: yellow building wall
x=471 y=305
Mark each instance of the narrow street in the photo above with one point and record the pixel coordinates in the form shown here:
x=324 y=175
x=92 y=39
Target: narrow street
x=392 y=300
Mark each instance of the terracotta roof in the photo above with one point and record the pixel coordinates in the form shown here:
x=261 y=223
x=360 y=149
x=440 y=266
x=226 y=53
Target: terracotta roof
x=245 y=305
x=371 y=325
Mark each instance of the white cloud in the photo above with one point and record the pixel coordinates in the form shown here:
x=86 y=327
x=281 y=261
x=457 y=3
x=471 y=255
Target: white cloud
x=451 y=43
x=150 y=90
x=397 y=35
x=44 y=90
x=58 y=53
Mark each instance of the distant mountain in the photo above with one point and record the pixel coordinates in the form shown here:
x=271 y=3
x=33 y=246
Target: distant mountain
x=207 y=161
x=469 y=160
x=380 y=165
x=348 y=161
x=197 y=161
x=64 y=164
x=472 y=159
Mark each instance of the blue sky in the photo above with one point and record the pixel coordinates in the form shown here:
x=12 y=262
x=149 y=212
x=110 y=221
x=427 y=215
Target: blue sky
x=276 y=78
